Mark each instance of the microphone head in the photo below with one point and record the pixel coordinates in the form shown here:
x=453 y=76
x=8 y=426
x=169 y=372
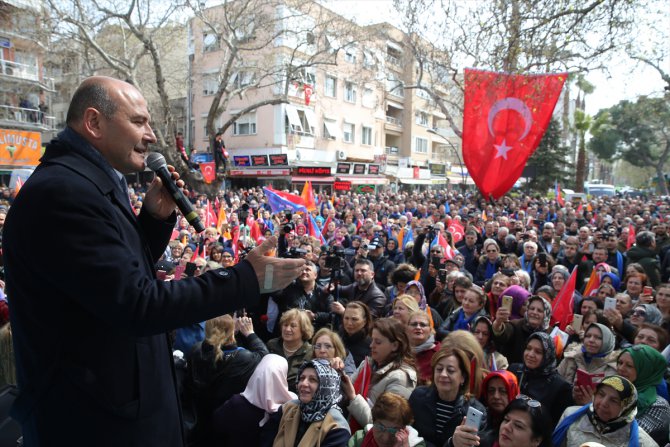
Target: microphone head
x=155 y=161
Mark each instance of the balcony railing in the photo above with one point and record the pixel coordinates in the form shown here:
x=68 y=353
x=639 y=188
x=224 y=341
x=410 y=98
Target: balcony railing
x=17 y=70
x=393 y=60
x=392 y=150
x=393 y=120
x=26 y=117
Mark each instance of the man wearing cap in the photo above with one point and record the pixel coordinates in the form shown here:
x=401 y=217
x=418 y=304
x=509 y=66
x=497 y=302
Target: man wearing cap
x=382 y=265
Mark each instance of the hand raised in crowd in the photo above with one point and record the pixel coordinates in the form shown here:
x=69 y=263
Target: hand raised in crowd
x=337 y=364
x=244 y=325
x=439 y=285
x=614 y=317
x=645 y=298
x=571 y=331
x=158 y=201
x=582 y=395
x=502 y=317
x=348 y=388
x=337 y=308
x=465 y=436
x=402 y=438
x=273 y=273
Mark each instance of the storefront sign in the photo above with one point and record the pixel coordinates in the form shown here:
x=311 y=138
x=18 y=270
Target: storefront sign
x=373 y=169
x=310 y=170
x=259 y=172
x=343 y=168
x=365 y=188
x=259 y=160
x=241 y=160
x=359 y=169
x=20 y=148
x=436 y=169
x=342 y=186
x=278 y=160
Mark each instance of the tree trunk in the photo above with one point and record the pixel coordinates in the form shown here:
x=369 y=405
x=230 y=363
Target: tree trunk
x=662 y=183
x=581 y=163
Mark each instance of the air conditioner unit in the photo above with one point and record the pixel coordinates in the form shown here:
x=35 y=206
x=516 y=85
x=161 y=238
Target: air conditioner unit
x=341 y=154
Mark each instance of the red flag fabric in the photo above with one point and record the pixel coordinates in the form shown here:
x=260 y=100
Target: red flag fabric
x=210 y=218
x=456 y=230
x=208 y=171
x=631 y=238
x=504 y=118
x=308 y=196
x=254 y=230
x=561 y=309
x=309 y=90
x=18 y=186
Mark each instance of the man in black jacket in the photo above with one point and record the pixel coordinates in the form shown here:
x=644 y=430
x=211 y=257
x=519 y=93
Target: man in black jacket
x=364 y=289
x=383 y=267
x=102 y=374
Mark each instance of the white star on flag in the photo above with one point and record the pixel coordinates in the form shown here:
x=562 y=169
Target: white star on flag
x=502 y=149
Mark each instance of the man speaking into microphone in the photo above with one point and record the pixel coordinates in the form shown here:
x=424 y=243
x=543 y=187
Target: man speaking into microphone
x=93 y=360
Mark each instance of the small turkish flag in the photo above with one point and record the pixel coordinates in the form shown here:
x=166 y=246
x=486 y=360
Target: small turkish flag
x=208 y=171
x=456 y=230
x=504 y=118
x=309 y=90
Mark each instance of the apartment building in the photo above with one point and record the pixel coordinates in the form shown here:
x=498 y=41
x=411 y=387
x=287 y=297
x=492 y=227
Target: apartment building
x=25 y=92
x=346 y=122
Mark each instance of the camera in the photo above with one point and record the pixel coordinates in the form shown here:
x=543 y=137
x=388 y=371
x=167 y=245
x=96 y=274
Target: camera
x=335 y=257
x=289 y=225
x=294 y=253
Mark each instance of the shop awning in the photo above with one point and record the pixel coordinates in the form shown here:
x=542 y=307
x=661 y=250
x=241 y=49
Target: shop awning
x=311 y=119
x=313 y=179
x=364 y=180
x=331 y=127
x=457 y=180
x=293 y=118
x=415 y=181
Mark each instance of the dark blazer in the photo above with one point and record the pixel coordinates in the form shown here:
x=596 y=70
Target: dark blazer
x=93 y=361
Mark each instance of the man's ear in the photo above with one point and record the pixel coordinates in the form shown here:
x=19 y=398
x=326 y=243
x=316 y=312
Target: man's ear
x=92 y=123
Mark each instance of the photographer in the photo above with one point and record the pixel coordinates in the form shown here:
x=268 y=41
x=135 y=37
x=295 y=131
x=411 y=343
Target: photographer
x=382 y=265
x=325 y=274
x=364 y=289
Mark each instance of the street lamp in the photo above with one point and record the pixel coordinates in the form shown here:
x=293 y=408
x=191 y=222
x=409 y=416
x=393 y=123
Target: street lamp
x=436 y=131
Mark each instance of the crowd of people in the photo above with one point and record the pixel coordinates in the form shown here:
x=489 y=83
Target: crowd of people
x=391 y=338
x=388 y=338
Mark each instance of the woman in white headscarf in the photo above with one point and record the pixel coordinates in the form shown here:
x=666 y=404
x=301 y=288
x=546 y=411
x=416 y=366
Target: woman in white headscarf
x=251 y=418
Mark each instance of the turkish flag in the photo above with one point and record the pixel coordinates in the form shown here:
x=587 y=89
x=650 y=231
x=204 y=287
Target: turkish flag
x=309 y=90
x=504 y=118
x=561 y=308
x=456 y=230
x=208 y=171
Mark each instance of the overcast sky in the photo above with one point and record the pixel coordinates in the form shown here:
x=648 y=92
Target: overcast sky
x=625 y=80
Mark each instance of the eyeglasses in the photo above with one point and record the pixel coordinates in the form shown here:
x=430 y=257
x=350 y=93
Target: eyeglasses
x=418 y=324
x=491 y=251
x=320 y=346
x=436 y=251
x=390 y=430
x=639 y=313
x=529 y=401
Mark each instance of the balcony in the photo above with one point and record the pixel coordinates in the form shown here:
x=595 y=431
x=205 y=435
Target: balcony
x=24 y=118
x=392 y=150
x=25 y=72
x=393 y=60
x=393 y=120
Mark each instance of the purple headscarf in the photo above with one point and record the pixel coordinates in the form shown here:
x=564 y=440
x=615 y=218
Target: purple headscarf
x=520 y=297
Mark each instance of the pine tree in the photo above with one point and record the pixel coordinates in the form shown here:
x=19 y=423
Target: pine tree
x=551 y=161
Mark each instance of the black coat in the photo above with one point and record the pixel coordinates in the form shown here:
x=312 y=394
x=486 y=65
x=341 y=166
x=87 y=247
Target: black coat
x=423 y=402
x=551 y=390
x=90 y=330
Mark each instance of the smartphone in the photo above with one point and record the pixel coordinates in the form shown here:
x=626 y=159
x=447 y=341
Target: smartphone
x=507 y=302
x=443 y=276
x=610 y=303
x=190 y=268
x=474 y=418
x=648 y=290
x=161 y=275
x=577 y=320
x=179 y=272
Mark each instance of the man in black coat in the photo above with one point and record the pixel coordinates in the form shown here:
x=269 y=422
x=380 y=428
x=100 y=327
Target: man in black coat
x=364 y=289
x=93 y=359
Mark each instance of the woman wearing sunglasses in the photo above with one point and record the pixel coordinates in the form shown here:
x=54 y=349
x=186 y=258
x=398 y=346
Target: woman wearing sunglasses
x=524 y=424
x=422 y=338
x=609 y=419
x=440 y=408
x=391 y=419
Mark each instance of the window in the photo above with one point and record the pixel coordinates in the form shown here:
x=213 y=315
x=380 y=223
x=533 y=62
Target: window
x=421 y=118
x=350 y=92
x=350 y=55
x=366 y=136
x=329 y=129
x=245 y=31
x=245 y=125
x=368 y=59
x=210 y=85
x=348 y=135
x=242 y=78
x=331 y=86
x=421 y=145
x=210 y=42
x=301 y=122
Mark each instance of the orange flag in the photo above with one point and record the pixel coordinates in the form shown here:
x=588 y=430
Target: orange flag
x=593 y=284
x=308 y=196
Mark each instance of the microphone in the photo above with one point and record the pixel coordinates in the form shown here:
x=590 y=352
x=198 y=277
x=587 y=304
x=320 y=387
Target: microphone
x=156 y=162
